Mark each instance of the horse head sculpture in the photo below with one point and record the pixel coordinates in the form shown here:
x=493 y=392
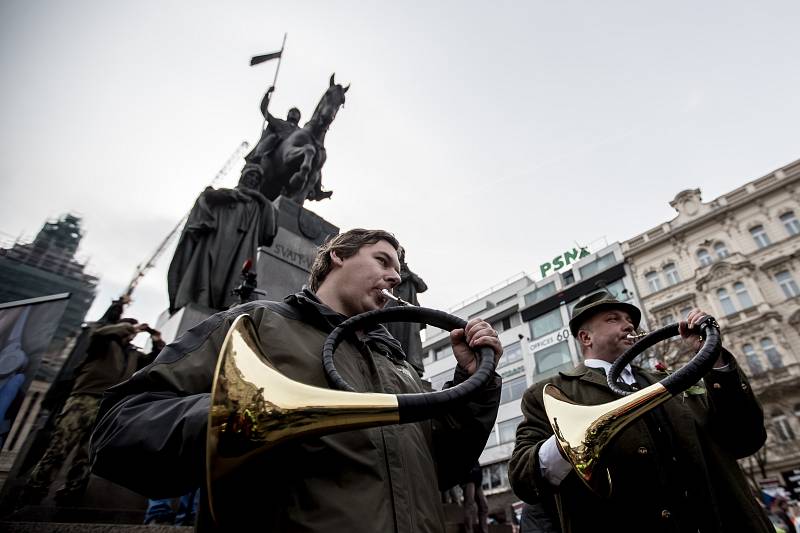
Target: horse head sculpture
x=328 y=105
x=294 y=166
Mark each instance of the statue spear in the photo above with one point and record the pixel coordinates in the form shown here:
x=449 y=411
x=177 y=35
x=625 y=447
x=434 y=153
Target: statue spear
x=266 y=57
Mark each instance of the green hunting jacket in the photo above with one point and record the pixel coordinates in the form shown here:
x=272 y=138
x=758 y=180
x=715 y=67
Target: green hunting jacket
x=674 y=470
x=151 y=432
x=110 y=360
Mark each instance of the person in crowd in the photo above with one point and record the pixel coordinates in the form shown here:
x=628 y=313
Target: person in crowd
x=673 y=469
x=152 y=429
x=476 y=508
x=110 y=358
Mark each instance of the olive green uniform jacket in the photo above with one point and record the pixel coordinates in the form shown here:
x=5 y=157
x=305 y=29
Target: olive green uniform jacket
x=151 y=433
x=671 y=470
x=109 y=360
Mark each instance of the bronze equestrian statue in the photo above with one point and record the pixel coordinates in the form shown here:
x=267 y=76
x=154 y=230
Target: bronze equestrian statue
x=288 y=160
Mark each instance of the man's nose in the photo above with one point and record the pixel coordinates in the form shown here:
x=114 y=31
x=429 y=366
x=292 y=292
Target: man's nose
x=393 y=279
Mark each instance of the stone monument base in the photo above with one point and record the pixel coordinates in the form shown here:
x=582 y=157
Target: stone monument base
x=284 y=266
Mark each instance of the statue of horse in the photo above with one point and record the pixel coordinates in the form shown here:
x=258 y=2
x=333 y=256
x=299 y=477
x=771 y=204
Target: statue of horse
x=293 y=168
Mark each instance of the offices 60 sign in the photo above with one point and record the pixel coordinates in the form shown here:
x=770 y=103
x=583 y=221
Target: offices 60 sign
x=549 y=340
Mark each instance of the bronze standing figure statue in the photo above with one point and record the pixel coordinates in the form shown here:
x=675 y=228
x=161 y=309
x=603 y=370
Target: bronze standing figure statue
x=288 y=160
x=408 y=332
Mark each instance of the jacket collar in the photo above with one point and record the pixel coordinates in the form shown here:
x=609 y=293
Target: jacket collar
x=584 y=373
x=313 y=311
x=326 y=319
x=593 y=375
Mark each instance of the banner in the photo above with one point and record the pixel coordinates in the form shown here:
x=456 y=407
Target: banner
x=266 y=57
x=26 y=329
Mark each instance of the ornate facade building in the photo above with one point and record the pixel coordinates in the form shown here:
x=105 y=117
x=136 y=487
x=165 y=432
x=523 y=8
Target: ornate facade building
x=737 y=257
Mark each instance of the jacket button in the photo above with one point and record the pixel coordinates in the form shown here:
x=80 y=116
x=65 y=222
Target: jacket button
x=665 y=514
x=744 y=386
x=717 y=386
x=642 y=450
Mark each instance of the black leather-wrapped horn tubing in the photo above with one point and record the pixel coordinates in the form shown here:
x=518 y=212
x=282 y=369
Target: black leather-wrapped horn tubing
x=416 y=406
x=687 y=376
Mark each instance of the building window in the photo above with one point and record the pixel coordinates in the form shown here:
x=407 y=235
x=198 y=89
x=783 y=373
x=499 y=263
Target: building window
x=653 y=281
x=671 y=273
x=568 y=278
x=619 y=291
x=552 y=358
x=511 y=353
x=513 y=389
x=703 y=257
x=787 y=283
x=742 y=295
x=666 y=320
x=540 y=293
x=502 y=324
x=791 y=223
x=725 y=301
x=508 y=429
x=721 y=250
x=443 y=353
x=772 y=353
x=760 y=236
x=495 y=476
x=598 y=265
x=547 y=323
x=783 y=429
x=438 y=381
x=753 y=361
x=684 y=313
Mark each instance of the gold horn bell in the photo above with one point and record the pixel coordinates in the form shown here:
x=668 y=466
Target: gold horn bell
x=254 y=407
x=583 y=432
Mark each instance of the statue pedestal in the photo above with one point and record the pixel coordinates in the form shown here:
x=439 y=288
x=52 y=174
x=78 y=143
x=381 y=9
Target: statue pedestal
x=284 y=266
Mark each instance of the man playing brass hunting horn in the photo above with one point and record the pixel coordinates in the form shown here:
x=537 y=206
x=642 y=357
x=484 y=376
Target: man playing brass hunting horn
x=673 y=469
x=152 y=429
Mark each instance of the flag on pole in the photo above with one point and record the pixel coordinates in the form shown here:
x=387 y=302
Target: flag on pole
x=266 y=57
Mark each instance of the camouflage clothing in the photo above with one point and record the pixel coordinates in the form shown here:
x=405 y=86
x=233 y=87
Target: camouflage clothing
x=73 y=428
x=110 y=359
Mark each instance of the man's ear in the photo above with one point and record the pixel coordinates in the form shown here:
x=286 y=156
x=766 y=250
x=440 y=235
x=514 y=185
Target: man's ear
x=584 y=337
x=335 y=259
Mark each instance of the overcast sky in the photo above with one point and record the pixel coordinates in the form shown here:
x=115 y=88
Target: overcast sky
x=488 y=136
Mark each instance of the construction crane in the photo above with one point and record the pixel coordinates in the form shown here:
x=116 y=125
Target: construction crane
x=142 y=268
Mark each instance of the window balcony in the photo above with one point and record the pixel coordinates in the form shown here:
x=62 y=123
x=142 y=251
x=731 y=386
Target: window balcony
x=776 y=376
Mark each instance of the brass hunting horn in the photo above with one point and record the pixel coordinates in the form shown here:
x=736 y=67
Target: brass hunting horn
x=584 y=432
x=255 y=408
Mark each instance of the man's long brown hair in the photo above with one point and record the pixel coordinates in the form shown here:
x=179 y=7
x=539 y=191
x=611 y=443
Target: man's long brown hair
x=347 y=245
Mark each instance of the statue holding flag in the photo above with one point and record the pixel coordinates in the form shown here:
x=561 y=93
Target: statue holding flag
x=288 y=159
x=275 y=132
